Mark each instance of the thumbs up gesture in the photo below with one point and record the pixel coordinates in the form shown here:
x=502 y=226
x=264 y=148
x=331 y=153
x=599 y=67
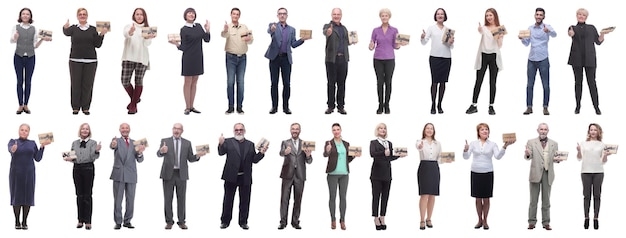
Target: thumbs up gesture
x=288 y=150
x=67 y=24
x=225 y=27
x=329 y=31
x=163 y=148
x=273 y=27
x=466 y=148
x=328 y=147
x=14 y=147
x=16 y=35
x=132 y=29
x=372 y=45
x=424 y=33
x=99 y=146
x=421 y=145
x=207 y=26
x=221 y=140
x=114 y=143
x=545 y=28
x=480 y=27
x=578 y=147
x=570 y=31
x=527 y=151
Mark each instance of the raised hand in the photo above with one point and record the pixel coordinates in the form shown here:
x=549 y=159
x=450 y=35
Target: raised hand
x=67 y=24
x=545 y=28
x=114 y=143
x=307 y=152
x=329 y=31
x=570 y=31
x=421 y=145
x=273 y=27
x=14 y=147
x=424 y=33
x=104 y=31
x=163 y=148
x=466 y=148
x=221 y=140
x=99 y=146
x=527 y=150
x=132 y=30
x=288 y=150
x=480 y=27
x=328 y=147
x=16 y=35
x=578 y=147
x=225 y=27
x=207 y=26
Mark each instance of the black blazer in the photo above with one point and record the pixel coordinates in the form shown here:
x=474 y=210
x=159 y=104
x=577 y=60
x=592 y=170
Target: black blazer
x=234 y=158
x=333 y=155
x=381 y=167
x=583 y=50
x=186 y=154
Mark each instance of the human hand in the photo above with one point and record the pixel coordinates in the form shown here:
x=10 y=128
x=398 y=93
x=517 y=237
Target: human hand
x=328 y=147
x=423 y=34
x=329 y=31
x=466 y=148
x=545 y=28
x=99 y=146
x=527 y=151
x=16 y=35
x=570 y=31
x=163 y=148
x=104 y=31
x=273 y=27
x=420 y=145
x=14 y=147
x=387 y=152
x=288 y=150
x=307 y=152
x=578 y=147
x=67 y=24
x=114 y=143
x=132 y=30
x=480 y=27
x=221 y=140
x=207 y=26
x=225 y=27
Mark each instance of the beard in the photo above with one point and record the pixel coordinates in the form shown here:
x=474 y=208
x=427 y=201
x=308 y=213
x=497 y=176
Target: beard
x=239 y=137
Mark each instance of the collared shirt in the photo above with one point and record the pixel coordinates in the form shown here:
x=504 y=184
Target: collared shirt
x=234 y=39
x=538 y=41
x=430 y=151
x=24 y=26
x=437 y=47
x=483 y=152
x=385 y=42
x=341 y=30
x=284 y=44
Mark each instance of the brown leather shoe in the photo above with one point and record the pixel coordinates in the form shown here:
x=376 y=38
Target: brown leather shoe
x=183 y=226
x=168 y=227
x=531 y=226
x=547 y=227
x=343 y=225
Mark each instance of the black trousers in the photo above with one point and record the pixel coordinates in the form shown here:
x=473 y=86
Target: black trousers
x=336 y=73
x=591 y=82
x=488 y=60
x=82 y=76
x=83 y=182
x=380 y=195
x=244 y=201
x=384 y=73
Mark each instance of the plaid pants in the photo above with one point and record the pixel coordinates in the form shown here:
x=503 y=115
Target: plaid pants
x=127 y=72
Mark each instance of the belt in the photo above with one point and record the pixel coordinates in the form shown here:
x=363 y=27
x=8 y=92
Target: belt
x=282 y=54
x=240 y=173
x=339 y=54
x=241 y=55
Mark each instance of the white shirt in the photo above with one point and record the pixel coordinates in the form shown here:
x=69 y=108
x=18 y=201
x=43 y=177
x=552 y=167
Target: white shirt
x=25 y=26
x=430 y=151
x=437 y=47
x=591 y=152
x=482 y=153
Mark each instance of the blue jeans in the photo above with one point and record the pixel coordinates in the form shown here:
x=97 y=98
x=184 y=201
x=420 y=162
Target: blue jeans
x=24 y=67
x=235 y=71
x=280 y=65
x=544 y=71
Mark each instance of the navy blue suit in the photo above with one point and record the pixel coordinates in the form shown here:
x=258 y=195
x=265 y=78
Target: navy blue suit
x=281 y=60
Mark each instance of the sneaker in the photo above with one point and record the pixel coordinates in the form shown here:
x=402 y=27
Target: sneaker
x=529 y=110
x=471 y=109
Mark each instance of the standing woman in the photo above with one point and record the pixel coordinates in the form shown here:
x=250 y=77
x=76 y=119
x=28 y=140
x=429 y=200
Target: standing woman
x=25 y=38
x=83 y=60
x=135 y=57
x=583 y=56
x=483 y=150
x=488 y=56
x=428 y=176
x=384 y=41
x=87 y=151
x=381 y=151
x=191 y=36
x=593 y=155
x=337 y=170
x=440 y=57
x=22 y=174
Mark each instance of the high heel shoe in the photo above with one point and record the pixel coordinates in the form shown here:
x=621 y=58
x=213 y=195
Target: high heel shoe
x=377 y=223
x=478 y=225
x=27 y=111
x=586 y=224
x=87 y=226
x=79 y=225
x=429 y=224
x=596 y=225
x=422 y=225
x=19 y=110
x=333 y=225
x=343 y=225
x=382 y=223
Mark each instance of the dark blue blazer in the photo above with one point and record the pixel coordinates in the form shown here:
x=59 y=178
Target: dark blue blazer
x=277 y=38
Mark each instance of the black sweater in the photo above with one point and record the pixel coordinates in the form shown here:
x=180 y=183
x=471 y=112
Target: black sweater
x=84 y=43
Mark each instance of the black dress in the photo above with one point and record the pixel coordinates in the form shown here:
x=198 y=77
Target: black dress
x=191 y=45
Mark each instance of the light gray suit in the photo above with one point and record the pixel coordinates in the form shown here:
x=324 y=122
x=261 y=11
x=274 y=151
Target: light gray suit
x=124 y=176
x=175 y=178
x=540 y=178
x=293 y=174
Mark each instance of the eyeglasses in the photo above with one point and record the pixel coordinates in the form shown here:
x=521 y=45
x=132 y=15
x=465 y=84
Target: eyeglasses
x=240 y=130
x=282 y=14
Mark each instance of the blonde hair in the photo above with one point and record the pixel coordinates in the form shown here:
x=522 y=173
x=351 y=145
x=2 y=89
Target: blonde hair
x=81 y=127
x=583 y=11
x=80 y=10
x=380 y=125
x=481 y=125
x=384 y=10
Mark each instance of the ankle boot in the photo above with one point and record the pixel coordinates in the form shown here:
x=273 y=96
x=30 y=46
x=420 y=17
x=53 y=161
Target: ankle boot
x=432 y=109
x=130 y=91
x=387 y=111
x=380 y=109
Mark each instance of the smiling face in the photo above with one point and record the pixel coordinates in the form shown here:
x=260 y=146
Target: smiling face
x=190 y=16
x=337 y=132
x=82 y=16
x=542 y=130
x=483 y=133
x=382 y=131
x=581 y=16
x=239 y=131
x=429 y=131
x=384 y=18
x=24 y=131
x=177 y=130
x=593 y=132
x=295 y=131
x=282 y=15
x=124 y=130
x=139 y=16
x=25 y=16
x=85 y=131
x=440 y=16
x=234 y=16
x=336 y=15
x=489 y=19
x=539 y=16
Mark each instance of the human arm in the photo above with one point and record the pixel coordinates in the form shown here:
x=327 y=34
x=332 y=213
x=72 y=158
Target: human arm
x=98 y=38
x=466 y=150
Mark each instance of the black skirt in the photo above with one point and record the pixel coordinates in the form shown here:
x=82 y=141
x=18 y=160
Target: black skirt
x=428 y=177
x=482 y=185
x=440 y=69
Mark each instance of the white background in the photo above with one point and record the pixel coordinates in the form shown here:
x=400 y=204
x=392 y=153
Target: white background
x=162 y=105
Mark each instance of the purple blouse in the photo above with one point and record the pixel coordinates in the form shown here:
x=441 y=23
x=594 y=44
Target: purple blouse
x=385 y=42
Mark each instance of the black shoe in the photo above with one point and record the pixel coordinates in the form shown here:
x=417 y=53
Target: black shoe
x=18 y=226
x=329 y=111
x=577 y=110
x=187 y=111
x=273 y=111
x=239 y=110
x=88 y=227
x=230 y=110
x=128 y=225
x=244 y=226
x=422 y=225
x=586 y=224
x=491 y=111
x=117 y=226
x=25 y=227
x=287 y=111
x=387 y=111
x=596 y=225
x=529 y=110
x=86 y=112
x=439 y=109
x=343 y=111
x=223 y=226
x=296 y=226
x=429 y=224
x=432 y=109
x=281 y=226
x=598 y=111
x=75 y=112
x=79 y=225
x=380 y=109
x=472 y=109
x=379 y=227
x=194 y=110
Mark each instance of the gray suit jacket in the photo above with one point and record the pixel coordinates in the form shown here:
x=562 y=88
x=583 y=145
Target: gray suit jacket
x=295 y=159
x=536 y=159
x=186 y=154
x=277 y=38
x=125 y=162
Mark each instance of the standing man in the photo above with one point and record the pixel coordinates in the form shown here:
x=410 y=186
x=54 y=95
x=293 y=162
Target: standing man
x=175 y=173
x=540 y=34
x=293 y=175
x=240 y=154
x=279 y=54
x=124 y=175
x=238 y=37
x=337 y=58
x=541 y=151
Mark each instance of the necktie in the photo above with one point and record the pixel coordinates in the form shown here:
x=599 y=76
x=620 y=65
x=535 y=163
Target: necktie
x=295 y=144
x=545 y=159
x=176 y=159
x=83 y=144
x=126 y=139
